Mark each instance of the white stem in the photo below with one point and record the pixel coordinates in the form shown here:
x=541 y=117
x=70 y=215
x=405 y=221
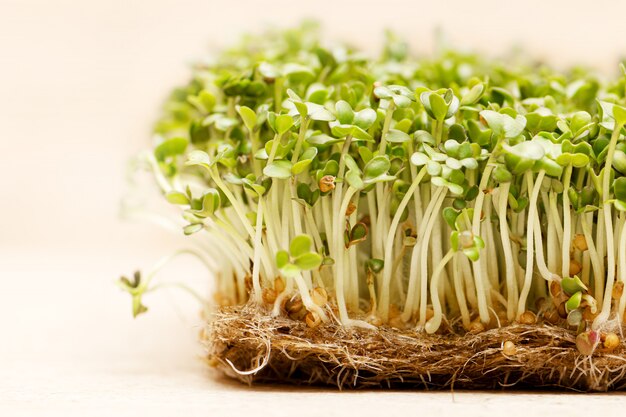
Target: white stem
x=530 y=252
x=258 y=247
x=511 y=282
x=388 y=267
x=433 y=324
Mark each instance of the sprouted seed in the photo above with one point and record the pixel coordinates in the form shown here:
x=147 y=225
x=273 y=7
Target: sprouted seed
x=397 y=191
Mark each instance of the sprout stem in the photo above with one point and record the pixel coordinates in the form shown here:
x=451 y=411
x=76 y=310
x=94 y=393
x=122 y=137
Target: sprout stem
x=433 y=324
x=608 y=224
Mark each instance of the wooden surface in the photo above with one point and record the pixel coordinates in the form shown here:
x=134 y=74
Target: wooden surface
x=80 y=83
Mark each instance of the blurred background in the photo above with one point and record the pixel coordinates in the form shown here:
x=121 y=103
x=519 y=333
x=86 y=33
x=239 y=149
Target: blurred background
x=81 y=83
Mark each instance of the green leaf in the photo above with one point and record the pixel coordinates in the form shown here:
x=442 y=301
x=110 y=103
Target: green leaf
x=377 y=166
x=454 y=188
x=450 y=215
x=365 y=118
x=358 y=232
x=201 y=158
x=454 y=240
x=438 y=106
x=345 y=115
x=472 y=253
x=176 y=197
x=419 y=159
x=504 y=125
x=283 y=123
x=278 y=169
x=319 y=113
x=248 y=116
x=300 y=166
x=375 y=265
x=397 y=136
x=300 y=245
x=353 y=178
x=383 y=92
x=204 y=101
x=210 y=203
x=308 y=261
x=192 y=228
x=521 y=157
x=290 y=270
x=282 y=258
x=170 y=147
x=619 y=188
x=574 y=301
x=572 y=285
x=619 y=114
x=323 y=140
x=473 y=95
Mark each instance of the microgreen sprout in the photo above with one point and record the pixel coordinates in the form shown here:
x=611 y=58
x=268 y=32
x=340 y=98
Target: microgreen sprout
x=334 y=186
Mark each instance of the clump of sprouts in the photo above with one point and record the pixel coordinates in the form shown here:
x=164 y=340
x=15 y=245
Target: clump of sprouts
x=412 y=193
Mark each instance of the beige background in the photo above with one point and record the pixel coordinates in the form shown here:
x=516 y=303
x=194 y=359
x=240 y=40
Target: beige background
x=80 y=84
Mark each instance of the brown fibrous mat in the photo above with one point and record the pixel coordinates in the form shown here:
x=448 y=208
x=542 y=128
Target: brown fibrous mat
x=248 y=344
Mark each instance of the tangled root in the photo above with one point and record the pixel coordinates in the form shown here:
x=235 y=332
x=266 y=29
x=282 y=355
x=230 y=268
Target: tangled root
x=248 y=344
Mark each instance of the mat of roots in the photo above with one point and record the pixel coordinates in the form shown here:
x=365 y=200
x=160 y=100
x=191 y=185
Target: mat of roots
x=396 y=220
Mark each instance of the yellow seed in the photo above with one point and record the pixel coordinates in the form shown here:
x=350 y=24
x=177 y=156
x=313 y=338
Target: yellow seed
x=476 y=327
x=294 y=306
x=269 y=295
x=509 y=348
x=312 y=320
x=527 y=317
x=319 y=296
x=279 y=285
x=350 y=209
x=611 y=341
x=327 y=183
x=555 y=289
x=618 y=290
x=580 y=242
x=574 y=267
x=551 y=316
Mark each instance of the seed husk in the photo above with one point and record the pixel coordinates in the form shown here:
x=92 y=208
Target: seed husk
x=528 y=317
x=312 y=319
x=574 y=267
x=327 y=183
x=586 y=342
x=295 y=308
x=611 y=342
x=476 y=327
x=509 y=348
x=580 y=242
x=279 y=285
x=319 y=296
x=551 y=316
x=588 y=315
x=269 y=296
x=555 y=289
